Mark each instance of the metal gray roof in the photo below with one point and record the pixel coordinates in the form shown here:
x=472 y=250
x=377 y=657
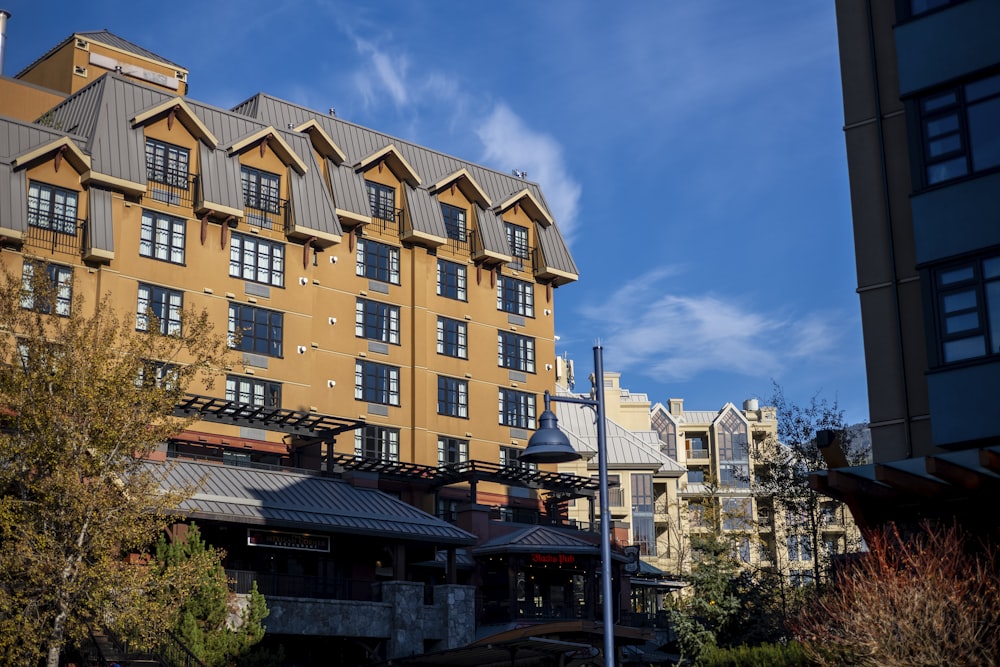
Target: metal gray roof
x=537 y=539
x=625 y=448
x=100 y=232
x=300 y=500
x=359 y=142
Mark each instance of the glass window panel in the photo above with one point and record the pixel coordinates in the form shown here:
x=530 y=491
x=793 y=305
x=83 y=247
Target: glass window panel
x=942 y=125
x=991 y=267
x=944 y=145
x=956 y=275
x=993 y=310
x=942 y=171
x=984 y=134
x=964 y=348
x=959 y=323
x=957 y=301
x=977 y=90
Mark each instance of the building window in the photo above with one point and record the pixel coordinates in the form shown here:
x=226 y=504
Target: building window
x=377 y=442
x=516 y=352
x=510 y=457
x=257 y=260
x=162 y=237
x=253 y=391
x=451 y=280
x=799 y=548
x=382 y=199
x=452 y=450
x=55 y=296
x=255 y=330
x=515 y=296
x=695 y=447
x=960 y=132
x=800 y=578
x=736 y=514
x=453 y=397
x=643 y=526
x=517 y=240
x=517 y=408
x=163 y=305
x=968 y=309
x=378 y=261
x=376 y=321
x=452 y=338
x=696 y=476
x=167 y=164
x=261 y=196
x=376 y=383
x=918 y=7
x=667 y=431
x=454 y=222
x=157 y=374
x=734 y=475
x=50 y=207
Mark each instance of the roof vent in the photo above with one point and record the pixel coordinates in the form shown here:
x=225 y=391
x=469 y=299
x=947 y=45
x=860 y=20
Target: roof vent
x=80 y=70
x=180 y=76
x=82 y=44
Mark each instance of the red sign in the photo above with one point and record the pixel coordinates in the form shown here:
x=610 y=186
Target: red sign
x=553 y=559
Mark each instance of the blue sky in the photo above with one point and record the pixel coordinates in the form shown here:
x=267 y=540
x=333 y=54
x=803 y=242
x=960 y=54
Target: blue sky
x=691 y=151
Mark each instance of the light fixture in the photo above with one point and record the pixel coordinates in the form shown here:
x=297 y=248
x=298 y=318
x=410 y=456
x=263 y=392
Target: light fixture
x=548 y=444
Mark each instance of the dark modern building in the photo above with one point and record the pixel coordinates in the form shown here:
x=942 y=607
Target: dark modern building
x=921 y=83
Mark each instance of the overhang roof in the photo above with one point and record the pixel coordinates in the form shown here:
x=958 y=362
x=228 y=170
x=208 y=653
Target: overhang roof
x=299 y=500
x=541 y=539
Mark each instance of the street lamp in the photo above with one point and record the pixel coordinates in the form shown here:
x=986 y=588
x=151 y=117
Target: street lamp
x=550 y=445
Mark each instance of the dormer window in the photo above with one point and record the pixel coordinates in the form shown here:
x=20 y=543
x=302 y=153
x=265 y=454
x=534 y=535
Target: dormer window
x=383 y=202
x=261 y=196
x=167 y=164
x=454 y=222
x=51 y=207
x=517 y=239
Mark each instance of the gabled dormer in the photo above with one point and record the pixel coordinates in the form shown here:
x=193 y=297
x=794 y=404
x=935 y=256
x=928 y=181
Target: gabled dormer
x=49 y=200
x=462 y=201
x=266 y=163
x=387 y=177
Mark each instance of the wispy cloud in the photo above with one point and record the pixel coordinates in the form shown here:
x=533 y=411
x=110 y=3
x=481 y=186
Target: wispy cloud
x=382 y=73
x=509 y=143
x=672 y=336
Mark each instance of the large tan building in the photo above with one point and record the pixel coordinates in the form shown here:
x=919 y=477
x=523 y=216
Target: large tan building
x=921 y=84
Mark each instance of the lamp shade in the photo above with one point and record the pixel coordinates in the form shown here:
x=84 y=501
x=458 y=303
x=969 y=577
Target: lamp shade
x=548 y=444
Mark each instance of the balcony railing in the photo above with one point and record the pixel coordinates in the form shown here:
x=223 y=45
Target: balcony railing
x=171 y=188
x=289 y=585
x=266 y=214
x=389 y=220
x=521 y=258
x=459 y=239
x=697 y=452
x=53 y=232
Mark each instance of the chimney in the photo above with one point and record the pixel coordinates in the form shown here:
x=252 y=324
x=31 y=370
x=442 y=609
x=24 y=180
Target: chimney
x=4 y=15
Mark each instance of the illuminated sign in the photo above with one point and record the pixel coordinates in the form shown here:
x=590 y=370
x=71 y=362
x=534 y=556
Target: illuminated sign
x=553 y=559
x=278 y=540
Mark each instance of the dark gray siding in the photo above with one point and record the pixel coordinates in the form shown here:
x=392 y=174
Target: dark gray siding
x=100 y=225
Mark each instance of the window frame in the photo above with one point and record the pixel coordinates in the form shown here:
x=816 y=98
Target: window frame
x=518 y=243
x=261 y=194
x=271 y=263
x=515 y=351
x=452 y=451
x=515 y=296
x=376 y=383
x=453 y=397
x=377 y=261
x=175 y=167
x=957 y=139
x=270 y=344
x=159 y=234
x=381 y=200
x=385 y=329
x=260 y=392
x=159 y=301
x=385 y=440
x=62 y=223
x=452 y=280
x=61 y=285
x=460 y=343
x=455 y=222
x=524 y=412
x=982 y=285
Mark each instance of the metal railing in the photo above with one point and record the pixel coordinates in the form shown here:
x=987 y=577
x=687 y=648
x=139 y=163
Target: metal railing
x=55 y=233
x=388 y=220
x=697 y=452
x=266 y=214
x=171 y=188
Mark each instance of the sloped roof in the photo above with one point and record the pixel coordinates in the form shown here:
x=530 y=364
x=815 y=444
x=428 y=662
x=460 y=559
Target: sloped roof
x=538 y=539
x=108 y=39
x=625 y=448
x=299 y=500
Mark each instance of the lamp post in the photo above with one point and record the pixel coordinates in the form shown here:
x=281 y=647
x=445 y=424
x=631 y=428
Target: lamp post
x=550 y=445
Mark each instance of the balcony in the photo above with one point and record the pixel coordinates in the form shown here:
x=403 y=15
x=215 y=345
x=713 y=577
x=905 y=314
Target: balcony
x=696 y=452
x=171 y=188
x=265 y=214
x=388 y=221
x=521 y=258
x=53 y=232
